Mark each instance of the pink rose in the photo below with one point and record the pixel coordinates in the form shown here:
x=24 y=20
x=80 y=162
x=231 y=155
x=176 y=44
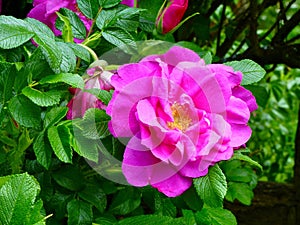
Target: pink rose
x=82 y=101
x=180 y=117
x=171 y=15
x=130 y=3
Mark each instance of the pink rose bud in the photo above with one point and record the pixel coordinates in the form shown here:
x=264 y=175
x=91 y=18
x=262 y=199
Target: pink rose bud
x=171 y=15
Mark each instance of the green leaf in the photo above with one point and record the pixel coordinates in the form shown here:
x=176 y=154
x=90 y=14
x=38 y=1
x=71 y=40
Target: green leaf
x=51 y=51
x=239 y=191
x=149 y=220
x=6 y=81
x=95 y=196
x=68 y=63
x=18 y=200
x=65 y=27
x=79 y=212
x=103 y=95
x=54 y=115
x=127 y=200
x=25 y=112
x=108 y=3
x=95 y=124
x=69 y=177
x=40 y=28
x=215 y=216
x=48 y=98
x=189 y=217
x=86 y=148
x=72 y=79
x=252 y=72
x=59 y=137
x=239 y=175
x=88 y=7
x=191 y=198
x=14 y=32
x=80 y=51
x=240 y=156
x=107 y=18
x=212 y=187
x=260 y=93
x=42 y=150
x=120 y=38
x=76 y=25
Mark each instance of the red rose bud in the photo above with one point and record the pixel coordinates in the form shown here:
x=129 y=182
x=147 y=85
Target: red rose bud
x=170 y=16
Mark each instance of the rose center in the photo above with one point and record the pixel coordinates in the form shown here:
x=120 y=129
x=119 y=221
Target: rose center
x=182 y=121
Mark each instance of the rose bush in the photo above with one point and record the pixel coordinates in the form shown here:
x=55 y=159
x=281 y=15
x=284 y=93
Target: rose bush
x=185 y=117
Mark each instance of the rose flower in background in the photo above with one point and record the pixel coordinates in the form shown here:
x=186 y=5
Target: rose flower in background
x=184 y=117
x=82 y=100
x=170 y=15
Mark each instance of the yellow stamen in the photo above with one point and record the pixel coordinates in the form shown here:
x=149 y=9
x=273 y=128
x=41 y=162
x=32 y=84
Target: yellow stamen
x=181 y=119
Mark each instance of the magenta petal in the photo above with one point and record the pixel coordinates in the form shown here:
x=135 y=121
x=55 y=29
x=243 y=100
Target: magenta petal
x=173 y=186
x=246 y=96
x=130 y=3
x=234 y=78
x=237 y=111
x=240 y=134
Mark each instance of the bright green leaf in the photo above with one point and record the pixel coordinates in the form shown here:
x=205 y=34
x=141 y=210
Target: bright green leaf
x=72 y=79
x=66 y=28
x=48 y=98
x=108 y=3
x=40 y=28
x=68 y=62
x=54 y=115
x=42 y=150
x=80 y=51
x=215 y=216
x=252 y=72
x=59 y=138
x=212 y=187
x=149 y=220
x=88 y=7
x=25 y=112
x=14 y=32
x=246 y=158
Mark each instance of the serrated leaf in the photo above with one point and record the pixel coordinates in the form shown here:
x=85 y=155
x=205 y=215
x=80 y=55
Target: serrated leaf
x=6 y=82
x=252 y=72
x=72 y=79
x=76 y=25
x=53 y=116
x=149 y=220
x=59 y=138
x=18 y=200
x=68 y=62
x=80 y=51
x=108 y=3
x=239 y=191
x=215 y=216
x=95 y=196
x=120 y=38
x=48 y=98
x=246 y=158
x=106 y=18
x=25 y=112
x=103 y=95
x=65 y=27
x=88 y=7
x=212 y=187
x=14 y=32
x=95 y=124
x=40 y=28
x=51 y=51
x=42 y=150
x=79 y=212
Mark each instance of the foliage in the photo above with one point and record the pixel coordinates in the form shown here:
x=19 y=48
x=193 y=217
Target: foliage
x=36 y=70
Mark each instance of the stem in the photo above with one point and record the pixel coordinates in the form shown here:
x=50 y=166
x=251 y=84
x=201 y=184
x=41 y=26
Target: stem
x=93 y=54
x=94 y=21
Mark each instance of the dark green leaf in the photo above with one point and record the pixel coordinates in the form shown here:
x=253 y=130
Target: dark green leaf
x=120 y=38
x=246 y=158
x=79 y=212
x=53 y=116
x=212 y=187
x=6 y=81
x=80 y=51
x=48 y=98
x=107 y=18
x=239 y=191
x=14 y=32
x=252 y=72
x=88 y=7
x=68 y=62
x=42 y=150
x=260 y=93
x=25 y=112
x=215 y=216
x=149 y=220
x=59 y=138
x=69 y=177
x=108 y=3
x=72 y=79
x=95 y=196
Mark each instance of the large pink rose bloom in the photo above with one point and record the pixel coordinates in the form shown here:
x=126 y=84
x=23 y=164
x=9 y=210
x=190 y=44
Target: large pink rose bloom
x=180 y=117
x=171 y=16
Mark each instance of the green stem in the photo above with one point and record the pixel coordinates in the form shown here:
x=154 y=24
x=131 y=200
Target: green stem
x=93 y=54
x=94 y=21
